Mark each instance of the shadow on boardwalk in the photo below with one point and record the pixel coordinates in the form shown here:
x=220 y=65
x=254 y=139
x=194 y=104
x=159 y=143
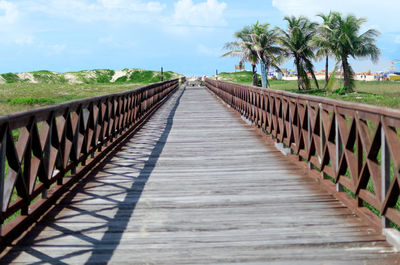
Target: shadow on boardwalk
x=137 y=161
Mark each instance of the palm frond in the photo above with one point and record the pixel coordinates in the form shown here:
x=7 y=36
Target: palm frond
x=332 y=79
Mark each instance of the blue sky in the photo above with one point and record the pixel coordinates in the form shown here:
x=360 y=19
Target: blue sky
x=184 y=36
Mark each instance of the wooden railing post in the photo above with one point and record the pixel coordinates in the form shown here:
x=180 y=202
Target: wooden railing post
x=322 y=138
x=385 y=171
x=290 y=127
x=270 y=115
x=308 y=132
x=3 y=145
x=339 y=150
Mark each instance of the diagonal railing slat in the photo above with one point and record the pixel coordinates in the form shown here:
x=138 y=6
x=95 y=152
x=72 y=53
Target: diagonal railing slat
x=353 y=149
x=59 y=144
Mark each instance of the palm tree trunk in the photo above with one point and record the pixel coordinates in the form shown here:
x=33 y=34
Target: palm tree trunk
x=315 y=79
x=346 y=73
x=254 y=69
x=264 y=82
x=299 y=76
x=326 y=72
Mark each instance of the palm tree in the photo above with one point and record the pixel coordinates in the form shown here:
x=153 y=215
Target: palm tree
x=264 y=41
x=348 y=42
x=324 y=40
x=296 y=41
x=243 y=49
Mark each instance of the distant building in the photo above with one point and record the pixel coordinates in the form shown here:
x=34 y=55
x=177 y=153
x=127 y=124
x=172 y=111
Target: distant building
x=239 y=67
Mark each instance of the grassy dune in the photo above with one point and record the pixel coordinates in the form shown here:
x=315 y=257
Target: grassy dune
x=18 y=94
x=385 y=94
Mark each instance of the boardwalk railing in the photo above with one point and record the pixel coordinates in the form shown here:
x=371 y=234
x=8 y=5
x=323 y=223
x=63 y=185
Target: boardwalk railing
x=43 y=151
x=353 y=148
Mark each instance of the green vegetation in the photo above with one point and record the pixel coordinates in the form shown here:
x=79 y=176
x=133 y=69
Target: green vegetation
x=348 y=42
x=243 y=48
x=104 y=76
x=385 y=94
x=324 y=43
x=243 y=77
x=121 y=79
x=142 y=75
x=10 y=77
x=98 y=76
x=256 y=44
x=296 y=40
x=101 y=76
x=44 y=76
x=30 y=101
x=24 y=96
x=304 y=41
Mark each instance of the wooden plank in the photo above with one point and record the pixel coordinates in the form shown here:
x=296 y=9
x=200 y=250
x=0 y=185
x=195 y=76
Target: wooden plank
x=196 y=185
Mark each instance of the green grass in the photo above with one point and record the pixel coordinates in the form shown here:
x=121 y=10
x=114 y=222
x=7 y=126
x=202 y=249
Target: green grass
x=25 y=96
x=244 y=77
x=30 y=101
x=385 y=94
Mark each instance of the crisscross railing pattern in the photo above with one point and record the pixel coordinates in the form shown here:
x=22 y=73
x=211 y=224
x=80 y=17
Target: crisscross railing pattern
x=355 y=146
x=42 y=150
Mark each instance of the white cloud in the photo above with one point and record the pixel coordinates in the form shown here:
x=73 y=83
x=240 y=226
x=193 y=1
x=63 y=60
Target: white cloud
x=101 y=10
x=106 y=40
x=202 y=49
x=381 y=15
x=57 y=48
x=51 y=49
x=11 y=29
x=10 y=13
x=384 y=64
x=24 y=39
x=203 y=15
x=118 y=43
x=397 y=39
x=133 y=6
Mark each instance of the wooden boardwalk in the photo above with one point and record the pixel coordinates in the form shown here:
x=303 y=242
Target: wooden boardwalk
x=198 y=186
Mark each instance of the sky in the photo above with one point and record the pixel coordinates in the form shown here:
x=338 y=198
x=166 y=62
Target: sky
x=185 y=36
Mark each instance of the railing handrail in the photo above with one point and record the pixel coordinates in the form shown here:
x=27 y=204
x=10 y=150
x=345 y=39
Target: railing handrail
x=58 y=109
x=354 y=148
x=384 y=111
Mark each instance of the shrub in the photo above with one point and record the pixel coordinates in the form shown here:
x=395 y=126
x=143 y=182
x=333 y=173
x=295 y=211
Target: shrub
x=104 y=76
x=30 y=101
x=10 y=77
x=342 y=90
x=121 y=79
x=168 y=75
x=48 y=77
x=144 y=76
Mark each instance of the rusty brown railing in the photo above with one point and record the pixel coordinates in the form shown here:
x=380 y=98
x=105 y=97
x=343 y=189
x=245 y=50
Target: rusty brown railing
x=353 y=149
x=43 y=151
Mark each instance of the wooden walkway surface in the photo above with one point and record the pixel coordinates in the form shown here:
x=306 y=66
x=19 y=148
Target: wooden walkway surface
x=198 y=186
